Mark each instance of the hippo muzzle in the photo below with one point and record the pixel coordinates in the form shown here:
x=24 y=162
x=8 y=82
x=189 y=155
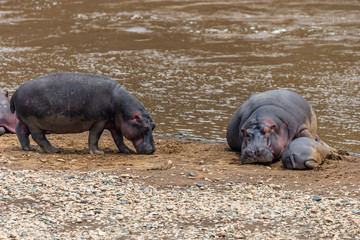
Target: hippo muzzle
x=254 y=154
x=145 y=144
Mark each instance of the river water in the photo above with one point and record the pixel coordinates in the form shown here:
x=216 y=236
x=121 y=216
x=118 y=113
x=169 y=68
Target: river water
x=192 y=63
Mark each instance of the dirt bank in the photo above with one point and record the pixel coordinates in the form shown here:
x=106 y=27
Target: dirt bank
x=175 y=159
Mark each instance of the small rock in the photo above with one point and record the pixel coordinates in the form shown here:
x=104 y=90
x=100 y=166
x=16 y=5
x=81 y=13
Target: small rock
x=317 y=198
x=78 y=220
x=200 y=185
x=356 y=211
x=191 y=174
x=328 y=219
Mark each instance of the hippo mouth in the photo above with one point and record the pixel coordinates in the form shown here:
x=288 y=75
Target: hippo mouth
x=138 y=142
x=143 y=147
x=256 y=155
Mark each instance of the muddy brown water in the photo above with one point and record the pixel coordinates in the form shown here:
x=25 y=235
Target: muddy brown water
x=192 y=63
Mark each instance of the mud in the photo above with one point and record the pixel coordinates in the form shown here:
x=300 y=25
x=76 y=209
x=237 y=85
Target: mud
x=175 y=159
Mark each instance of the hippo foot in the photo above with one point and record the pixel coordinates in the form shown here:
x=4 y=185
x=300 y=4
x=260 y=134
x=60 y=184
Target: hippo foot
x=51 y=150
x=126 y=150
x=96 y=151
x=29 y=148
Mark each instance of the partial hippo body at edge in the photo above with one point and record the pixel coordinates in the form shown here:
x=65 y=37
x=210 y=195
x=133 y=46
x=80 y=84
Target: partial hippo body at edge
x=266 y=123
x=8 y=120
x=77 y=102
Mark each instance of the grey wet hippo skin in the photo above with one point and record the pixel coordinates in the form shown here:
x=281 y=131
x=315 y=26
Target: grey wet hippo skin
x=267 y=122
x=76 y=102
x=304 y=153
x=8 y=120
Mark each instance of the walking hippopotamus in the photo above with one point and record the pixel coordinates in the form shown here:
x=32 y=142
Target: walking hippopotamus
x=268 y=122
x=304 y=153
x=8 y=120
x=77 y=102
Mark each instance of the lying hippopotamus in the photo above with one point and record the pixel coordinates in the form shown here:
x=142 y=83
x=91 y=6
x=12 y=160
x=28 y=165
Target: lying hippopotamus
x=268 y=122
x=304 y=153
x=76 y=102
x=8 y=120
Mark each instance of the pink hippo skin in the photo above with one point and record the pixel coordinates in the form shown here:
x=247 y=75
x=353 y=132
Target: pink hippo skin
x=76 y=102
x=8 y=120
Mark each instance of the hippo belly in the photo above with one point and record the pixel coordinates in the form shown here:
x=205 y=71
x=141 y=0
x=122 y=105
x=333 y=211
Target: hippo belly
x=62 y=125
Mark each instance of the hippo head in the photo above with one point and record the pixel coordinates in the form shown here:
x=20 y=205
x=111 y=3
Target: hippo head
x=8 y=120
x=303 y=153
x=301 y=160
x=138 y=127
x=261 y=142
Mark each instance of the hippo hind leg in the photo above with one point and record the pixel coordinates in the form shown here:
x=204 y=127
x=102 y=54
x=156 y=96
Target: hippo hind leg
x=94 y=136
x=38 y=135
x=23 y=132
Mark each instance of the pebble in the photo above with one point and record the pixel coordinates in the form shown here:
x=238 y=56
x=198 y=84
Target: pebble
x=317 y=198
x=50 y=204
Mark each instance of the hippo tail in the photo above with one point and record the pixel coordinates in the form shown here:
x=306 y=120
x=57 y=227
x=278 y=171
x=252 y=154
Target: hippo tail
x=12 y=103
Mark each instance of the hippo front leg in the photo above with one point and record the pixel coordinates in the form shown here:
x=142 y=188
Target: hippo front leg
x=119 y=141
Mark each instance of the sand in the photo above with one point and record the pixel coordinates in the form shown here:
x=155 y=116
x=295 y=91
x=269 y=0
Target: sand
x=208 y=161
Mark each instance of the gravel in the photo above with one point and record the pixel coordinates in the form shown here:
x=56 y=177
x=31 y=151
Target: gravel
x=112 y=205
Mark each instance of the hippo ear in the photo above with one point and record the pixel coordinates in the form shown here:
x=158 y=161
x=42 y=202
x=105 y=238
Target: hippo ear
x=273 y=128
x=7 y=94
